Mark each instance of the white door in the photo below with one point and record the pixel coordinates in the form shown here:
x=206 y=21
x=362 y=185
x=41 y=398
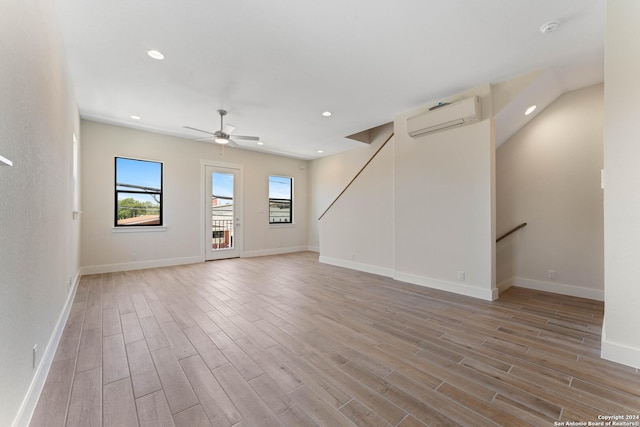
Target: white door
x=223 y=213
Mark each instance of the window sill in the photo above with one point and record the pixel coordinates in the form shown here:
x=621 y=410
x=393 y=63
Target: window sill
x=141 y=229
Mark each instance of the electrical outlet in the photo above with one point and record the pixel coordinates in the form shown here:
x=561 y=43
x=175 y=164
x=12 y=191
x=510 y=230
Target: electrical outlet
x=551 y=274
x=461 y=275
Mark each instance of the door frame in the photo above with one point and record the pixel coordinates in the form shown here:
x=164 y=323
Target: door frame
x=206 y=228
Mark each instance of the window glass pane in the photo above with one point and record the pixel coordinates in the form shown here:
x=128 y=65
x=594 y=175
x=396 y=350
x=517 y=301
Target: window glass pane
x=222 y=213
x=138 y=209
x=140 y=173
x=280 y=200
x=76 y=176
x=138 y=189
x=222 y=186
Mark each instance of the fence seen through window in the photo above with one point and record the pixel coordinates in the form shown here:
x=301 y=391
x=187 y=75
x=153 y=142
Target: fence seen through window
x=138 y=192
x=280 y=200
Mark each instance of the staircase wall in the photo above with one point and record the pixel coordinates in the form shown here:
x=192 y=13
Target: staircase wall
x=548 y=175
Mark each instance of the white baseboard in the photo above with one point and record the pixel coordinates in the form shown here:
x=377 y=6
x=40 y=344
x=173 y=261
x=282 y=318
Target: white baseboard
x=555 y=287
x=443 y=285
x=139 y=265
x=367 y=268
x=313 y=249
x=504 y=285
x=23 y=418
x=472 y=291
x=620 y=353
x=276 y=251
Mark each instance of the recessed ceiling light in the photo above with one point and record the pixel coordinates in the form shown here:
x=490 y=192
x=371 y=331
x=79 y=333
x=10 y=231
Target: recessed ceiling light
x=135 y=117
x=530 y=110
x=260 y=143
x=320 y=151
x=326 y=113
x=155 y=54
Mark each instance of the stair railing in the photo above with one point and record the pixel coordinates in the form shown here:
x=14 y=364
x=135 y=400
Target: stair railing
x=356 y=176
x=510 y=232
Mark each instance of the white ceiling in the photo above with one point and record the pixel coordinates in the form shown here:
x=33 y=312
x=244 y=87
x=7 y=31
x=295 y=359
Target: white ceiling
x=277 y=65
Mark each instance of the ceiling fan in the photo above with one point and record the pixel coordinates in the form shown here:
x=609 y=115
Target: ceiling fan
x=223 y=135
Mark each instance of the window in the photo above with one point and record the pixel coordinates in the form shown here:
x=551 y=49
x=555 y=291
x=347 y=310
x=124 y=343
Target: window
x=138 y=200
x=75 y=201
x=280 y=200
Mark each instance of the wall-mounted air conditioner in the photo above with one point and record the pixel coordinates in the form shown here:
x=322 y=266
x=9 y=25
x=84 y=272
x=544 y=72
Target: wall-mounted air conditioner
x=446 y=116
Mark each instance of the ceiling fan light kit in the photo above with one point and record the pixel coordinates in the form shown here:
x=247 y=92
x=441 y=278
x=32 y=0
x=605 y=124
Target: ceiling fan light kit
x=222 y=136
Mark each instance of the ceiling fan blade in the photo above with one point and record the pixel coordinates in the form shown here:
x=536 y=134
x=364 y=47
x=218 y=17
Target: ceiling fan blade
x=247 y=138
x=199 y=130
x=224 y=132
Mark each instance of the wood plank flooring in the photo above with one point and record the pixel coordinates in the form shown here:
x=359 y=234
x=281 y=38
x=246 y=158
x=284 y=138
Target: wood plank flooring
x=284 y=340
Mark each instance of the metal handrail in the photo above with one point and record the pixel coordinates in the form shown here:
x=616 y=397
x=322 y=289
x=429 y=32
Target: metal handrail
x=358 y=174
x=513 y=230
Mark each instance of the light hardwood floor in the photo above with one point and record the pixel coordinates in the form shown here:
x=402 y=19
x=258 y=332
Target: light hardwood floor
x=284 y=340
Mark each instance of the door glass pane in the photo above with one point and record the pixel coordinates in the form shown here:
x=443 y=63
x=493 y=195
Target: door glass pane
x=222 y=211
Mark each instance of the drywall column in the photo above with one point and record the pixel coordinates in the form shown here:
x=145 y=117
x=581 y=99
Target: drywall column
x=445 y=206
x=621 y=336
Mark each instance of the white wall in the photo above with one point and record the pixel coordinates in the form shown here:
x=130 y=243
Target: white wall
x=444 y=205
x=183 y=241
x=39 y=238
x=548 y=175
x=357 y=232
x=438 y=191
x=621 y=335
x=329 y=175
